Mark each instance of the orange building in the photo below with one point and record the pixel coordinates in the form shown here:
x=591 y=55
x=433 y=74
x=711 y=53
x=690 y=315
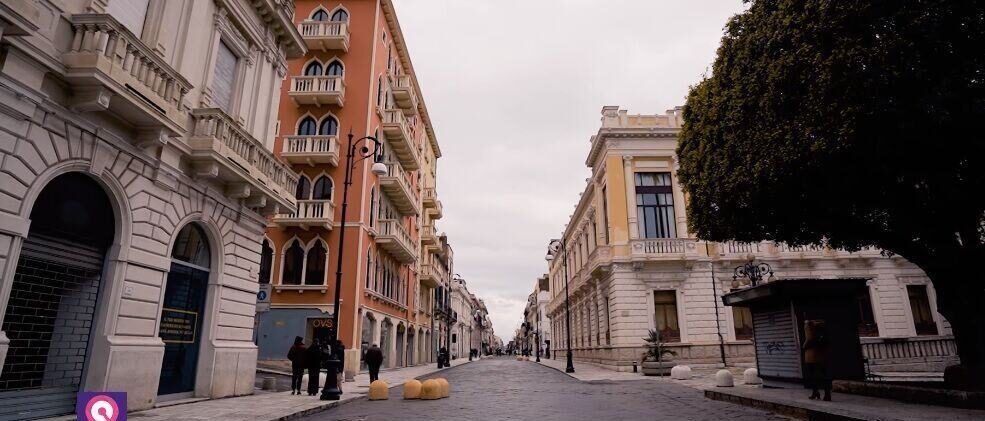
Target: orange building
x=357 y=79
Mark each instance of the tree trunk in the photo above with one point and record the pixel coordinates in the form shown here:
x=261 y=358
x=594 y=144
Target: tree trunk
x=961 y=300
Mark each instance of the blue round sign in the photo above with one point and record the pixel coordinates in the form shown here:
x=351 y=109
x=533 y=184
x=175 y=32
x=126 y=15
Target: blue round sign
x=261 y=295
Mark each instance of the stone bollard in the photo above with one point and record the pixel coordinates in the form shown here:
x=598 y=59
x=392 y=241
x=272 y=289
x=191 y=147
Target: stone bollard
x=379 y=391
x=430 y=389
x=443 y=387
x=723 y=378
x=751 y=376
x=680 y=372
x=268 y=383
x=412 y=389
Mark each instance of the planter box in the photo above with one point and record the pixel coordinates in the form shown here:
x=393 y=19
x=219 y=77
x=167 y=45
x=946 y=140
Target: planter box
x=653 y=368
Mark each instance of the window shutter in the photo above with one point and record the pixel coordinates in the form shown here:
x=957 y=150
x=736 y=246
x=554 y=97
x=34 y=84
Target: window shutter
x=222 y=82
x=130 y=13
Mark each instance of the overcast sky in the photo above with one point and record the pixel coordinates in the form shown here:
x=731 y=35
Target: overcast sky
x=515 y=89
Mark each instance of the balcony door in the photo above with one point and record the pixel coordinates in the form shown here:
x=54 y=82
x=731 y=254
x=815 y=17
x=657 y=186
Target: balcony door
x=131 y=13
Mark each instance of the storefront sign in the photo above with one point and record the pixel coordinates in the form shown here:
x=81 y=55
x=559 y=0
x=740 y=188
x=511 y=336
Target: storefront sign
x=178 y=326
x=322 y=323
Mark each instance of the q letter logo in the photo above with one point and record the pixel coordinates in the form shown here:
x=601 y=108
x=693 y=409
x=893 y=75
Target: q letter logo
x=101 y=406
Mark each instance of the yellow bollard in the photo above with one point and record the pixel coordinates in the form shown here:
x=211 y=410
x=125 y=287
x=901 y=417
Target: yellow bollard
x=430 y=389
x=412 y=389
x=445 y=387
x=379 y=391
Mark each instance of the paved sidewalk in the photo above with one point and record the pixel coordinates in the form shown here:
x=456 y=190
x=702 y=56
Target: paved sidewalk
x=791 y=402
x=275 y=406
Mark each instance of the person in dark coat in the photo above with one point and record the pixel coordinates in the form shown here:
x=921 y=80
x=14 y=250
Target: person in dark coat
x=313 y=359
x=374 y=358
x=338 y=351
x=816 y=358
x=297 y=357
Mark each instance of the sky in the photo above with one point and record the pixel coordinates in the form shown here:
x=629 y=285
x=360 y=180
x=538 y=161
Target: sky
x=515 y=89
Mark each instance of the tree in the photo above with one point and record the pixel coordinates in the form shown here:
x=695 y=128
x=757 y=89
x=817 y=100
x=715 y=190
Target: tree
x=853 y=123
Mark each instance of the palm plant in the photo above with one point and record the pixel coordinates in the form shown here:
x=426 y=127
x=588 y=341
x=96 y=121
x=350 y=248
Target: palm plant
x=655 y=349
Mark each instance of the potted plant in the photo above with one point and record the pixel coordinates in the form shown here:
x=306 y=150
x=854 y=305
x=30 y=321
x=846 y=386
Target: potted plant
x=653 y=363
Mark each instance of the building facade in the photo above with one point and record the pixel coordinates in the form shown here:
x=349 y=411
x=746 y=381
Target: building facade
x=632 y=266
x=356 y=79
x=137 y=174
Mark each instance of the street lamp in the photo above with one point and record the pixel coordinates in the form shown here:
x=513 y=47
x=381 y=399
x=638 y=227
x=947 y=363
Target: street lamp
x=753 y=271
x=537 y=332
x=331 y=391
x=557 y=246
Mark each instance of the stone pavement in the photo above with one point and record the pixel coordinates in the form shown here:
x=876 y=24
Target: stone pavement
x=277 y=406
x=505 y=389
x=792 y=402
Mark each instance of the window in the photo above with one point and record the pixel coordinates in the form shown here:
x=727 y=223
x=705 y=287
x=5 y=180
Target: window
x=293 y=264
x=320 y=15
x=334 y=68
x=923 y=319
x=655 y=205
x=314 y=272
x=372 y=206
x=866 y=320
x=605 y=214
x=307 y=127
x=191 y=247
x=303 y=191
x=130 y=13
x=266 y=260
x=313 y=69
x=224 y=77
x=340 y=16
x=742 y=322
x=665 y=315
x=329 y=126
x=323 y=189
x=369 y=268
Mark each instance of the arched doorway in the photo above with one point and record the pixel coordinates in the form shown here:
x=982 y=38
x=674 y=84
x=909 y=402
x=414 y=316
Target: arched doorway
x=366 y=335
x=410 y=347
x=386 y=342
x=53 y=298
x=183 y=311
x=401 y=335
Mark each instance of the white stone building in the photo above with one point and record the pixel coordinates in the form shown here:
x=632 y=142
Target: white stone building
x=631 y=265
x=136 y=177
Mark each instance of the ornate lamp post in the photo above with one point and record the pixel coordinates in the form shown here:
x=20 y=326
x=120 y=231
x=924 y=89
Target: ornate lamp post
x=331 y=391
x=557 y=246
x=537 y=332
x=753 y=271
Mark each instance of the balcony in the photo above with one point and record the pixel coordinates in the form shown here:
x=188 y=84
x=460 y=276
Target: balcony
x=110 y=69
x=431 y=203
x=664 y=248
x=394 y=239
x=317 y=90
x=429 y=237
x=310 y=213
x=311 y=150
x=325 y=35
x=402 y=88
x=398 y=133
x=429 y=276
x=402 y=194
x=222 y=150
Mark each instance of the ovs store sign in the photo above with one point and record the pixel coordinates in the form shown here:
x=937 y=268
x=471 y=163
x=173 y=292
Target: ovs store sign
x=101 y=406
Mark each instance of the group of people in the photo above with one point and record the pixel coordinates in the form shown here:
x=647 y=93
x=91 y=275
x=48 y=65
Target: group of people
x=313 y=359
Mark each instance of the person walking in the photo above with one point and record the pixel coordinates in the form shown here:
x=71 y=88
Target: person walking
x=338 y=351
x=313 y=360
x=374 y=358
x=816 y=358
x=297 y=357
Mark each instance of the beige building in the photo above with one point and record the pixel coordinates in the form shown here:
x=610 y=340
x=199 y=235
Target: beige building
x=137 y=173
x=633 y=266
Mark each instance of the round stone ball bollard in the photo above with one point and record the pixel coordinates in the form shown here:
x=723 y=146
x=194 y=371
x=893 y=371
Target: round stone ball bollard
x=444 y=387
x=379 y=391
x=751 y=376
x=680 y=372
x=723 y=378
x=430 y=389
x=412 y=389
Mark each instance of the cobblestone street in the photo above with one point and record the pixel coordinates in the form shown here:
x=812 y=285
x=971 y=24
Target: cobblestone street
x=505 y=389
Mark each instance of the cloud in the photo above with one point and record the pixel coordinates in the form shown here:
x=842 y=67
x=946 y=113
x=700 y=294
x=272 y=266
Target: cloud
x=514 y=89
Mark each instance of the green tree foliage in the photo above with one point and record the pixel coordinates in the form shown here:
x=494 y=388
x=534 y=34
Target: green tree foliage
x=856 y=123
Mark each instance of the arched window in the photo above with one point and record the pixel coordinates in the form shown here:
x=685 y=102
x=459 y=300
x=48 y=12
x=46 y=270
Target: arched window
x=303 y=191
x=266 y=260
x=340 y=16
x=313 y=69
x=320 y=15
x=329 y=126
x=334 y=68
x=323 y=189
x=369 y=268
x=314 y=272
x=372 y=206
x=307 y=127
x=191 y=247
x=293 y=264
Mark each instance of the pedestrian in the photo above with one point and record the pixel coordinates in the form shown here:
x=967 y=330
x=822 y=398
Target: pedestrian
x=297 y=357
x=374 y=358
x=338 y=351
x=313 y=359
x=816 y=358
